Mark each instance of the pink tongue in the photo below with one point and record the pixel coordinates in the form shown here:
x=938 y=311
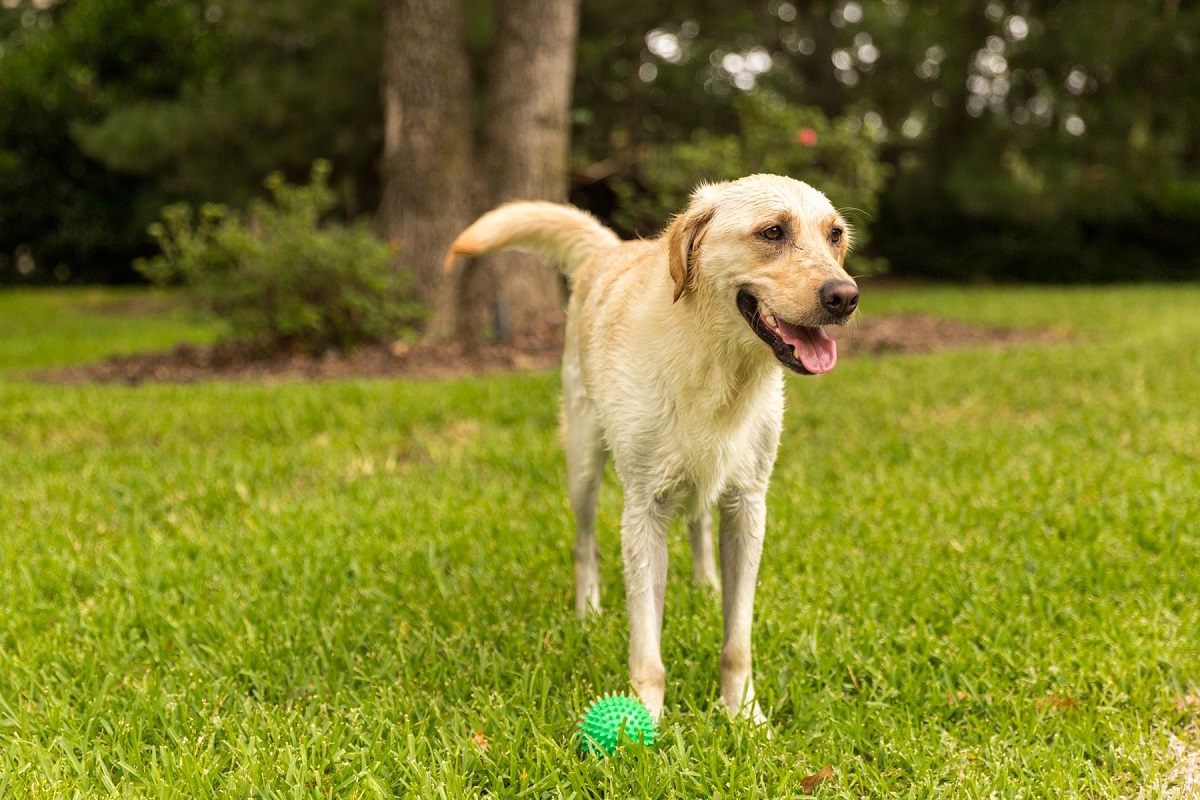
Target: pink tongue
x=816 y=351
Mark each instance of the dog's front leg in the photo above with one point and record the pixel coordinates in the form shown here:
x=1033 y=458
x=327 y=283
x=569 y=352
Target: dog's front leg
x=644 y=524
x=743 y=521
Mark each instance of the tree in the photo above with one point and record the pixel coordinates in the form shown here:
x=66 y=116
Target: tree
x=111 y=109
x=427 y=141
x=435 y=180
x=62 y=212
x=1010 y=125
x=276 y=85
x=1028 y=139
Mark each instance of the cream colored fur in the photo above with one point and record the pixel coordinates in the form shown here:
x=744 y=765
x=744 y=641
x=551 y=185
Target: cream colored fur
x=662 y=372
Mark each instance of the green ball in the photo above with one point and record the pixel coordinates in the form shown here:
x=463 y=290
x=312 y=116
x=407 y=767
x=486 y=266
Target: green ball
x=607 y=718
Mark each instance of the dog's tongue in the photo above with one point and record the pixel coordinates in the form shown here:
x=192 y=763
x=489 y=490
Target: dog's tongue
x=815 y=350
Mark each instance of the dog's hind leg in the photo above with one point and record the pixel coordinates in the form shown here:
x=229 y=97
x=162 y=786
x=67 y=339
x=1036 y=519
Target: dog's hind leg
x=585 y=469
x=704 y=569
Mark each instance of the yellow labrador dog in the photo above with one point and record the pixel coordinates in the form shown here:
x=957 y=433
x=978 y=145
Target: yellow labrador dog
x=675 y=350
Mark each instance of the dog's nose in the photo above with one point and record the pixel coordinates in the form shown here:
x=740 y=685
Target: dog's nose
x=839 y=297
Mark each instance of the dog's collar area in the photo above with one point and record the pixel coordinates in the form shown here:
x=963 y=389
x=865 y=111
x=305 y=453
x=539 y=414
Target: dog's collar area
x=804 y=349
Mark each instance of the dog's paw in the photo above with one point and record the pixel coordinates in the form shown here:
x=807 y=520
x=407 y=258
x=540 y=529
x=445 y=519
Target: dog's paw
x=707 y=582
x=744 y=706
x=589 y=612
x=755 y=715
x=750 y=713
x=652 y=692
x=588 y=604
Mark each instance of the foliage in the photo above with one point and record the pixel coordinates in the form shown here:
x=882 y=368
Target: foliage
x=280 y=277
x=773 y=137
x=1023 y=117
x=61 y=65
x=283 y=82
x=986 y=584
x=1016 y=116
x=110 y=109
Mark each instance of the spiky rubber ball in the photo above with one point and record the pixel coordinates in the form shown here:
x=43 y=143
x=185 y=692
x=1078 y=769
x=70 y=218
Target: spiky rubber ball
x=601 y=724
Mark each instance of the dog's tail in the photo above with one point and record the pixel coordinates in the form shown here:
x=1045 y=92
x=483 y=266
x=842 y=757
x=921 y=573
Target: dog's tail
x=561 y=234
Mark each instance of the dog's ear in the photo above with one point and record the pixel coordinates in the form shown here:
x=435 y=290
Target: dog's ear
x=683 y=243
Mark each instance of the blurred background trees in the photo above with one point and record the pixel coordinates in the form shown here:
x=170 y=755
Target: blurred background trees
x=110 y=109
x=987 y=139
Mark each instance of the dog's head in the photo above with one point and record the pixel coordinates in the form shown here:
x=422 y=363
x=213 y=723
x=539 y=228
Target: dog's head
x=767 y=251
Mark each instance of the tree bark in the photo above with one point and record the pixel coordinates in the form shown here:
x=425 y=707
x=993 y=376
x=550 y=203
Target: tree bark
x=427 y=157
x=525 y=156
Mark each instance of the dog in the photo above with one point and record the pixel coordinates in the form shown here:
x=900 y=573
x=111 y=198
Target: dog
x=673 y=365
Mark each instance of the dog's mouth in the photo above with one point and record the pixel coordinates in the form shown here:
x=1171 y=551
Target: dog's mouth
x=801 y=348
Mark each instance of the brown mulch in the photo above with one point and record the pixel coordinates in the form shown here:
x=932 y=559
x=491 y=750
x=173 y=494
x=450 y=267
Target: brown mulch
x=232 y=361
x=921 y=333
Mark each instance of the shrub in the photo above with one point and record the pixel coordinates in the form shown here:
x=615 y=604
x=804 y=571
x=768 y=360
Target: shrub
x=835 y=156
x=281 y=277
x=278 y=275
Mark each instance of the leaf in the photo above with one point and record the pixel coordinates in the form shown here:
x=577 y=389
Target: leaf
x=809 y=785
x=1056 y=702
x=480 y=740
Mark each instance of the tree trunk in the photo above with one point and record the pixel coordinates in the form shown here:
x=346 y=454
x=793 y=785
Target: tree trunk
x=525 y=139
x=427 y=193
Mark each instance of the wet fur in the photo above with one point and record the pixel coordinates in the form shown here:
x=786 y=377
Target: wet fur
x=662 y=373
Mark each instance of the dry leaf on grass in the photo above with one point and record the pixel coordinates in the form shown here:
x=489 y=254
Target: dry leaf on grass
x=480 y=740
x=1056 y=702
x=809 y=785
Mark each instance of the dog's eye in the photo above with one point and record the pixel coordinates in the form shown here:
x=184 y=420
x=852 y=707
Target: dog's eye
x=773 y=233
x=835 y=236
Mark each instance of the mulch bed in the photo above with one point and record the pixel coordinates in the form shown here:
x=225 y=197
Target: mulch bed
x=233 y=361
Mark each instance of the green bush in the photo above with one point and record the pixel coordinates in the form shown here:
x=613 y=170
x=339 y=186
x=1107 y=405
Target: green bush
x=837 y=157
x=278 y=275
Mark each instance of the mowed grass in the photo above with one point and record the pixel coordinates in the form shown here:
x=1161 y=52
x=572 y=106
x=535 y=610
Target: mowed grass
x=64 y=326
x=980 y=578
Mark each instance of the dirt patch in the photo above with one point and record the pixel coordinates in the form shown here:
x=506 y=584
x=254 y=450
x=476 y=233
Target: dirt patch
x=907 y=333
x=237 y=361
x=921 y=333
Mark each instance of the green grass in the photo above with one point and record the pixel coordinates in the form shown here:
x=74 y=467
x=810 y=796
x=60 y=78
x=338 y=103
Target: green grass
x=64 y=326
x=329 y=590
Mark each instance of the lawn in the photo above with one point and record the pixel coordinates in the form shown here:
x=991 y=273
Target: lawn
x=980 y=579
